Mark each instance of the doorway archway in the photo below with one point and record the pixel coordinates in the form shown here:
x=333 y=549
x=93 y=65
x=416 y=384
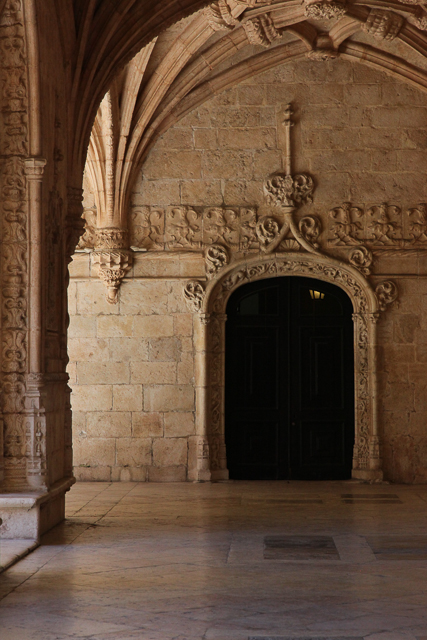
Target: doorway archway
x=289 y=381
x=210 y=455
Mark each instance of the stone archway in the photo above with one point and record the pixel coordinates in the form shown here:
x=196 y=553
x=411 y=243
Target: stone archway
x=210 y=357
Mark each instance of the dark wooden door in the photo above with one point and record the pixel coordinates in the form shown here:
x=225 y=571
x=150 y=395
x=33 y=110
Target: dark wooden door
x=289 y=381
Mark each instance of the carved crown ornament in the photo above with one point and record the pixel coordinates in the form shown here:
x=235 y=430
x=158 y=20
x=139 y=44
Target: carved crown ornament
x=283 y=231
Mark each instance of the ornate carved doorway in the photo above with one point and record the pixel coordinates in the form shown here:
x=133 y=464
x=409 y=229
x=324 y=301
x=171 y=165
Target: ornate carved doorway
x=289 y=381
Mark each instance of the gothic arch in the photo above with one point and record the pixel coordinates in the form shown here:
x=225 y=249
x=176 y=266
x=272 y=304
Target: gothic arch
x=211 y=462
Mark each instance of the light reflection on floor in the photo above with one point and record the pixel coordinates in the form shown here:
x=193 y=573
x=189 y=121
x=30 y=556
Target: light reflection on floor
x=228 y=561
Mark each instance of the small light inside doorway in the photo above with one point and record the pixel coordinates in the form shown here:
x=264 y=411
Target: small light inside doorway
x=316 y=295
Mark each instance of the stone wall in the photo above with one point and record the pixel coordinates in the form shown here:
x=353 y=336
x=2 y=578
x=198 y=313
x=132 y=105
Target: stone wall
x=363 y=138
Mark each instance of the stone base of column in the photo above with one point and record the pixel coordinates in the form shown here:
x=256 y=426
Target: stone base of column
x=368 y=475
x=26 y=516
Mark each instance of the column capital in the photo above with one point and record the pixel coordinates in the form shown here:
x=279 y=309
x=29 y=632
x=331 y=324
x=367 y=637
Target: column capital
x=34 y=168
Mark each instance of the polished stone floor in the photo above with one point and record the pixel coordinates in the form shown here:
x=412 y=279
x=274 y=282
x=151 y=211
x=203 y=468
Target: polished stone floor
x=228 y=561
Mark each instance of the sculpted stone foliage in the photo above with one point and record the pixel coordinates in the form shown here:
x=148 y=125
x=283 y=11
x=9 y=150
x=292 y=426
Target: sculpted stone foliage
x=216 y=257
x=261 y=31
x=362 y=259
x=324 y=9
x=386 y=293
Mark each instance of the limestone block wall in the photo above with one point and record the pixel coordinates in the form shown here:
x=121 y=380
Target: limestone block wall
x=363 y=138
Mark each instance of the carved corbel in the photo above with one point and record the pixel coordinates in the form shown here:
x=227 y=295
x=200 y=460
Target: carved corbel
x=386 y=293
x=194 y=293
x=216 y=257
x=113 y=258
x=324 y=9
x=384 y=25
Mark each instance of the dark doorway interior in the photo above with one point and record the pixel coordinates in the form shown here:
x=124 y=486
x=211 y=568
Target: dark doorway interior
x=289 y=381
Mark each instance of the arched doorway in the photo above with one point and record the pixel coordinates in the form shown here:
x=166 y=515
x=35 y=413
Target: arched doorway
x=289 y=380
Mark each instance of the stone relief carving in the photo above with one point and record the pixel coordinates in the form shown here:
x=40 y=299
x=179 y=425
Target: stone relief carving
x=261 y=30
x=381 y=227
x=362 y=259
x=216 y=257
x=113 y=258
x=385 y=225
x=194 y=293
x=386 y=293
x=194 y=228
x=223 y=14
x=14 y=257
x=324 y=9
x=346 y=229
x=418 y=223
x=284 y=190
x=384 y=25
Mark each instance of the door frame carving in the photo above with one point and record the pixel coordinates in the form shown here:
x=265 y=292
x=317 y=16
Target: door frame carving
x=208 y=456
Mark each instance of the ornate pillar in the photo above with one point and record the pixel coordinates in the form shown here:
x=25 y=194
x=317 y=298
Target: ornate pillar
x=199 y=467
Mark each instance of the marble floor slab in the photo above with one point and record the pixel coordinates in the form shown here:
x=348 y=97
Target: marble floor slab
x=187 y=562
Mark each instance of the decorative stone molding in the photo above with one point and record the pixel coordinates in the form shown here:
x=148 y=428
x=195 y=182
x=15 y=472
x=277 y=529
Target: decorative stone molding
x=216 y=257
x=386 y=293
x=324 y=9
x=384 y=25
x=381 y=227
x=111 y=238
x=194 y=293
x=14 y=254
x=213 y=301
x=261 y=30
x=310 y=229
x=219 y=16
x=112 y=268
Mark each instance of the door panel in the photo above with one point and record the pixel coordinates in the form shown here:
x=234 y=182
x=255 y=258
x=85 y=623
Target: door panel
x=289 y=396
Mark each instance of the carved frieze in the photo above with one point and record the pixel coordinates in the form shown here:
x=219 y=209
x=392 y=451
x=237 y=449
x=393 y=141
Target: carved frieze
x=380 y=227
x=193 y=228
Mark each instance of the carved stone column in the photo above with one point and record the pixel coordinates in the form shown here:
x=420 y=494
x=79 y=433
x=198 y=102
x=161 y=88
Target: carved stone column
x=113 y=258
x=199 y=467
